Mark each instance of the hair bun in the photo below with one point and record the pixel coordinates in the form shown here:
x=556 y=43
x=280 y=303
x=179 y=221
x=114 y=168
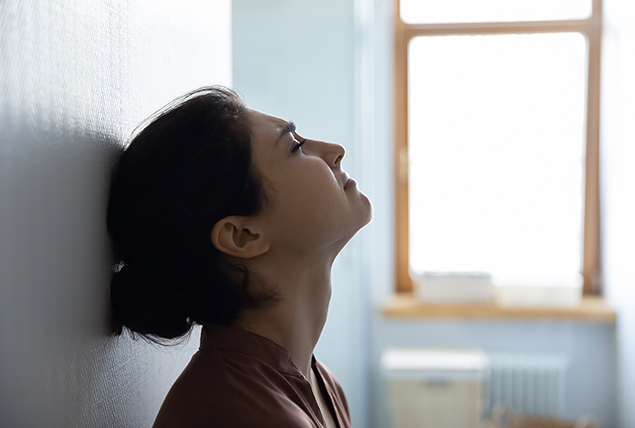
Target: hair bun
x=145 y=303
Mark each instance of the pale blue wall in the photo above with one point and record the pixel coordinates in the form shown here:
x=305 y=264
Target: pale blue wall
x=304 y=60
x=618 y=149
x=590 y=347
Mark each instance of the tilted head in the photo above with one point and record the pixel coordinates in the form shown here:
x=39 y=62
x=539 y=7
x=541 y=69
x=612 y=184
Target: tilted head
x=202 y=189
x=190 y=167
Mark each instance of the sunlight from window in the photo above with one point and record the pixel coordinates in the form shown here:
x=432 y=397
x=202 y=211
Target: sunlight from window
x=496 y=151
x=429 y=11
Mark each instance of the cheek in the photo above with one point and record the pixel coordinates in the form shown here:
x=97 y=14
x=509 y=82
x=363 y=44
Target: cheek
x=310 y=201
x=307 y=196
x=319 y=189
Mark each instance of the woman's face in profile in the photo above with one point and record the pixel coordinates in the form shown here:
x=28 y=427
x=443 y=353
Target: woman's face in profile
x=311 y=200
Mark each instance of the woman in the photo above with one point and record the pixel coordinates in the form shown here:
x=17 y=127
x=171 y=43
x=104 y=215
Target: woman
x=226 y=217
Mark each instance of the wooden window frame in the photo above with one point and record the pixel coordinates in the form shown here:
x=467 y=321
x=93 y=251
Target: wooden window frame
x=591 y=28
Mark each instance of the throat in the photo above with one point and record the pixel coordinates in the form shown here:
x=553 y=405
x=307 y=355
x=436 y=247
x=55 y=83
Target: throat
x=295 y=322
x=296 y=319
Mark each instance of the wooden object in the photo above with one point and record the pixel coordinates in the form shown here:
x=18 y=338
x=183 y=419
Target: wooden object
x=535 y=422
x=591 y=28
x=406 y=306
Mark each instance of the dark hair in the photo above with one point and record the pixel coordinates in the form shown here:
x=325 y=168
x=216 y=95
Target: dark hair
x=188 y=168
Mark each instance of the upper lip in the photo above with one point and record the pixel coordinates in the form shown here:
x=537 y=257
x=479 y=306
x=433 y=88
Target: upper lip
x=346 y=179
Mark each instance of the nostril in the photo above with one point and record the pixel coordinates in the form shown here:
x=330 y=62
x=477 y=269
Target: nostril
x=332 y=153
x=341 y=151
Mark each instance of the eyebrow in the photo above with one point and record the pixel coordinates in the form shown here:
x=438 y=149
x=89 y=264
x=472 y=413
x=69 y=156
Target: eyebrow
x=289 y=128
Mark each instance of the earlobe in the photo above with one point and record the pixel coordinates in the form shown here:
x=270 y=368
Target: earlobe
x=231 y=236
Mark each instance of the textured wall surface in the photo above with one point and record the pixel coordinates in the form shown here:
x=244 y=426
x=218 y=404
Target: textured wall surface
x=76 y=77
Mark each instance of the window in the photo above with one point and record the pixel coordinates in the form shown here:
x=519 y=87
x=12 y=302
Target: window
x=497 y=138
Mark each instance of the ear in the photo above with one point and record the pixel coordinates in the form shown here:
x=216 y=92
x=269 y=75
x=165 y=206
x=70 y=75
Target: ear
x=232 y=236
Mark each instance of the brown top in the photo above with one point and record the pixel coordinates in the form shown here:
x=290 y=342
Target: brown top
x=239 y=379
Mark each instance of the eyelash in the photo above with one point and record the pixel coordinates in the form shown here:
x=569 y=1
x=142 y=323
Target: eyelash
x=298 y=145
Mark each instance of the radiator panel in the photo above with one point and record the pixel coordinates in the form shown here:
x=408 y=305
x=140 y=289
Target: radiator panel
x=527 y=384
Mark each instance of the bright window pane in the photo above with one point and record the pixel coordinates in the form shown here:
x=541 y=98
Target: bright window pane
x=437 y=11
x=496 y=149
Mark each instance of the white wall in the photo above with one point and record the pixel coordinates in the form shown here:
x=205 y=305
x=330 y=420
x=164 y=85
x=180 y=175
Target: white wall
x=75 y=78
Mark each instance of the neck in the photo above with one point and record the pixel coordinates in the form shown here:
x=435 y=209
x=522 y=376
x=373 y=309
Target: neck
x=296 y=320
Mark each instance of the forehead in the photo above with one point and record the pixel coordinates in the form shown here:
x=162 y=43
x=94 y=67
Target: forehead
x=265 y=128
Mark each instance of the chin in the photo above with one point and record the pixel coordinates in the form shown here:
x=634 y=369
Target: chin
x=368 y=211
x=365 y=217
x=361 y=219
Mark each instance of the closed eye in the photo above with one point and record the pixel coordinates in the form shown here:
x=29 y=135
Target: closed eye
x=297 y=145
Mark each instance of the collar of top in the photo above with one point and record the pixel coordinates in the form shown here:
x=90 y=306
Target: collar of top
x=243 y=341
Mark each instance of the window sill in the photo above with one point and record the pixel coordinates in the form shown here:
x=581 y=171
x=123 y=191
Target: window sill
x=592 y=308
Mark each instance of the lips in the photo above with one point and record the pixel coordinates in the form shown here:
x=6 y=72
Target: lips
x=348 y=180
x=345 y=179
x=350 y=183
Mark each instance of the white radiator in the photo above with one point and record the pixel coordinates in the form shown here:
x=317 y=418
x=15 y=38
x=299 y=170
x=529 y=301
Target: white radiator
x=526 y=383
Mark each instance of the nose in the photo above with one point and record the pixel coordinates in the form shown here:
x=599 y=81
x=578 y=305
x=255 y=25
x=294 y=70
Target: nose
x=331 y=153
